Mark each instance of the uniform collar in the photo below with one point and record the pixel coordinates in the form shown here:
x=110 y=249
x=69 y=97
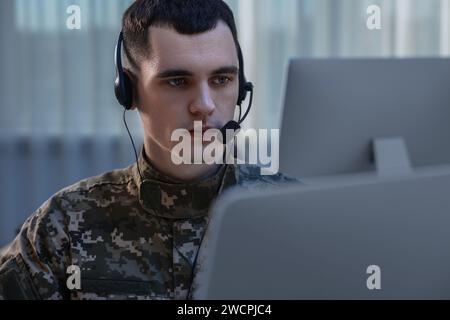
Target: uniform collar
x=167 y=198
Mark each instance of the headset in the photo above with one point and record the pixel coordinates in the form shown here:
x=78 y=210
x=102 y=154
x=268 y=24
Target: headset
x=123 y=87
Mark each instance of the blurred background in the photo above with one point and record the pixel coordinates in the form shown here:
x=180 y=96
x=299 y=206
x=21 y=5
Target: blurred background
x=59 y=120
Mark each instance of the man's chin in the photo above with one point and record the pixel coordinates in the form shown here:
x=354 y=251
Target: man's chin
x=196 y=172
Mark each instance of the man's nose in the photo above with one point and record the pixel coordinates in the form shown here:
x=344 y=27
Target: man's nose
x=203 y=102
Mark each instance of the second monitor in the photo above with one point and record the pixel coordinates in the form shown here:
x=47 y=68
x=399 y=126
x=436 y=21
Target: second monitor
x=334 y=108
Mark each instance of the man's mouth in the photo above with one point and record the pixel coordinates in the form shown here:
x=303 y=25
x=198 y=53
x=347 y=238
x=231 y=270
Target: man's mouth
x=204 y=129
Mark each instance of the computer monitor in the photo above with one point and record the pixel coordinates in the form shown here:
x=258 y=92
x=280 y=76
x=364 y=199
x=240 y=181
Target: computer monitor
x=334 y=108
x=379 y=239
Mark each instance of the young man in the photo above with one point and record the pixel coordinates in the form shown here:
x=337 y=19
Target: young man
x=134 y=233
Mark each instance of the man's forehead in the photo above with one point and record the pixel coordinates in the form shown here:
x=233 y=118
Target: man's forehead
x=208 y=50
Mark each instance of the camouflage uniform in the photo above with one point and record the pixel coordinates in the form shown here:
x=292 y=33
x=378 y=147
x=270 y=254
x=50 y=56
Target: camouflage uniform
x=131 y=238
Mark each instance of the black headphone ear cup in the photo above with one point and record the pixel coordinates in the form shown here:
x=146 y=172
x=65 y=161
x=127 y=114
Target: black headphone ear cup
x=242 y=89
x=124 y=91
x=128 y=91
x=117 y=90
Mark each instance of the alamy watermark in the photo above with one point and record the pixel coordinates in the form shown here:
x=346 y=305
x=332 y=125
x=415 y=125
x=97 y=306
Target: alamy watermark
x=73 y=21
x=374 y=280
x=374 y=17
x=74 y=279
x=191 y=147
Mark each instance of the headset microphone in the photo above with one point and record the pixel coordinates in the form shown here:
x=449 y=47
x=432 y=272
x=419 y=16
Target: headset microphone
x=235 y=126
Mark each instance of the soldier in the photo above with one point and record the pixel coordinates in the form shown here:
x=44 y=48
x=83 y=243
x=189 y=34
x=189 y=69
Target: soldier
x=134 y=233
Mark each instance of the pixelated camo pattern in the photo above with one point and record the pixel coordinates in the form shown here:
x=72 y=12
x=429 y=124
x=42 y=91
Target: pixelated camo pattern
x=132 y=238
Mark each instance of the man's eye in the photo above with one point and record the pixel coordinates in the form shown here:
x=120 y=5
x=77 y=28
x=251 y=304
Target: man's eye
x=177 y=82
x=221 y=80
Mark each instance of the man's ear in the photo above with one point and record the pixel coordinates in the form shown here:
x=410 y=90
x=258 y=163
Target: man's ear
x=134 y=81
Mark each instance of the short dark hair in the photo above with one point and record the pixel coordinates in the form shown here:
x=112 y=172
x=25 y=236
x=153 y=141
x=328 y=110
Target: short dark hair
x=185 y=16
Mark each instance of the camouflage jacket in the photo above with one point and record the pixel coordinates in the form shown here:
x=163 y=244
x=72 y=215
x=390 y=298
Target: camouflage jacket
x=131 y=238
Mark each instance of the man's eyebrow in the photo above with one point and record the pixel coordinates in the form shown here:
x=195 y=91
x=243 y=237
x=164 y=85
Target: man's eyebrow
x=224 y=70
x=172 y=73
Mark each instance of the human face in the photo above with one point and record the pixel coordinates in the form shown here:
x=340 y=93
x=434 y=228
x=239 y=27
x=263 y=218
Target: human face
x=187 y=78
